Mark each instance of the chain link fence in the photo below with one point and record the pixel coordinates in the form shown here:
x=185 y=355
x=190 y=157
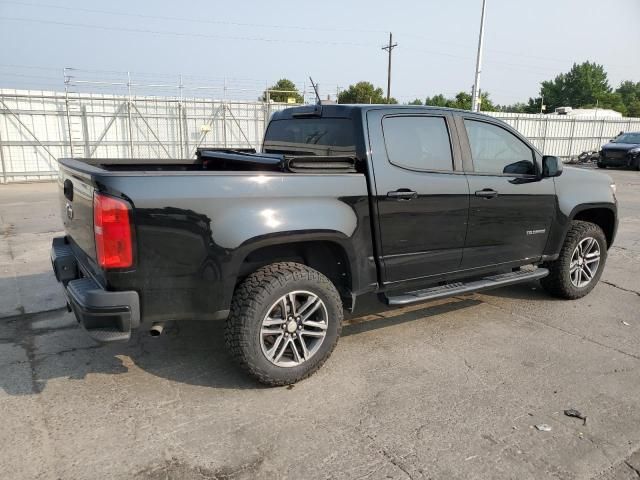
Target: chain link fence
x=37 y=128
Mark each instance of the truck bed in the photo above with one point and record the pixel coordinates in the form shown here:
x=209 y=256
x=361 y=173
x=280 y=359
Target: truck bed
x=231 y=160
x=196 y=222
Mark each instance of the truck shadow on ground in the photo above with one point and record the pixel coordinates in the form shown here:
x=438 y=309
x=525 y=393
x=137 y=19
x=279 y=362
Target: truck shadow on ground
x=523 y=291
x=191 y=353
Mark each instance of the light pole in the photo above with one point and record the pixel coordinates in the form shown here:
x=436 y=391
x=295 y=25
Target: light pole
x=475 y=101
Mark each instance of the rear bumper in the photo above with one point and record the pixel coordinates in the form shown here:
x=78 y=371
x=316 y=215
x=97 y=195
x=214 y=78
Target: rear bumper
x=106 y=316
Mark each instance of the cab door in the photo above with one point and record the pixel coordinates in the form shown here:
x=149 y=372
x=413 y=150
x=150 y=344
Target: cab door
x=510 y=206
x=421 y=192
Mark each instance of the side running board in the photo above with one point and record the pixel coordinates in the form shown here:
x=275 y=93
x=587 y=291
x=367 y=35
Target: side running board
x=458 y=288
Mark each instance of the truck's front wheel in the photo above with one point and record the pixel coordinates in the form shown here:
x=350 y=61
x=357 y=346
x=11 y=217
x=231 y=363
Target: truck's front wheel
x=580 y=264
x=284 y=322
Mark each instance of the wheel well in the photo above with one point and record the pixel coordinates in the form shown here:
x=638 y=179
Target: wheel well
x=327 y=257
x=603 y=217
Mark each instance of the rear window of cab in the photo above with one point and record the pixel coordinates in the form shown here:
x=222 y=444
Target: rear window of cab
x=311 y=136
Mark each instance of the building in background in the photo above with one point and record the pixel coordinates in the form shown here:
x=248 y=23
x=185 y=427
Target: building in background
x=586 y=112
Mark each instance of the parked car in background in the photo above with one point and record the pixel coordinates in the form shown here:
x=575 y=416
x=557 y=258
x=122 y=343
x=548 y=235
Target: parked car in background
x=622 y=151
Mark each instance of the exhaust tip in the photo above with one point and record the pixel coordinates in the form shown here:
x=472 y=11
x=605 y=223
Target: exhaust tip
x=156 y=329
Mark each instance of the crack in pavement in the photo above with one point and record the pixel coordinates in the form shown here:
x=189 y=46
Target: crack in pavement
x=395 y=463
x=624 y=467
x=582 y=337
x=626 y=462
x=611 y=284
x=32 y=315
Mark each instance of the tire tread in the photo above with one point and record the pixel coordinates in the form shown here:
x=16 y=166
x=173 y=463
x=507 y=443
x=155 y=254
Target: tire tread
x=250 y=295
x=558 y=282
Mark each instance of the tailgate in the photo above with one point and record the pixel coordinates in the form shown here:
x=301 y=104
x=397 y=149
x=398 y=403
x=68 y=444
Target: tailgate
x=76 y=201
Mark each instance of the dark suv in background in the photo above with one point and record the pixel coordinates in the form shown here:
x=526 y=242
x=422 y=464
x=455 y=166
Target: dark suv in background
x=622 y=151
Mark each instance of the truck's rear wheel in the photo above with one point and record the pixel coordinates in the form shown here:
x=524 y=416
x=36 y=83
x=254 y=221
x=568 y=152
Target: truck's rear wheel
x=579 y=266
x=284 y=322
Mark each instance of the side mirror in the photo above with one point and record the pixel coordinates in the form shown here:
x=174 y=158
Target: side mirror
x=551 y=166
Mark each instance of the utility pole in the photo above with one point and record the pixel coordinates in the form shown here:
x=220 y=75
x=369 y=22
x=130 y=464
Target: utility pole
x=475 y=101
x=389 y=48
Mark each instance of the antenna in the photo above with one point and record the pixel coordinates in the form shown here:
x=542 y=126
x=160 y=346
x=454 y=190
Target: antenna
x=315 y=89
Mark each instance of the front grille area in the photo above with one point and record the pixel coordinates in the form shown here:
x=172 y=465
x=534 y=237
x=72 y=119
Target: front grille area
x=614 y=154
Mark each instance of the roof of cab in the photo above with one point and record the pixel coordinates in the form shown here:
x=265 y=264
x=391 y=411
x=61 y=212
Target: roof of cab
x=350 y=110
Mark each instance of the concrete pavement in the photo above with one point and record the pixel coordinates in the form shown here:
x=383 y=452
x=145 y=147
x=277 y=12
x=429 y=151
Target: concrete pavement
x=448 y=389
x=29 y=218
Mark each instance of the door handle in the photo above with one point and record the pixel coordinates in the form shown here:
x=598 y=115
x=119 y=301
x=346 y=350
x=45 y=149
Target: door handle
x=486 y=193
x=402 y=194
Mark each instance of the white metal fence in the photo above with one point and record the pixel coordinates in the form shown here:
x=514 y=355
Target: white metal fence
x=37 y=128
x=566 y=136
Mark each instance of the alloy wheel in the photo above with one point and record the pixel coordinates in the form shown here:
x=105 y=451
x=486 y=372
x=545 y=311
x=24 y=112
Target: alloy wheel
x=294 y=328
x=585 y=261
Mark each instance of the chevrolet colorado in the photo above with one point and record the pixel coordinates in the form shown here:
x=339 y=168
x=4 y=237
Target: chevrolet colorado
x=410 y=203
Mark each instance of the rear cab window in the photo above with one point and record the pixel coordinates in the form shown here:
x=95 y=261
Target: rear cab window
x=311 y=136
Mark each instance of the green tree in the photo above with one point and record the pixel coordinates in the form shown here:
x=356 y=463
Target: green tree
x=633 y=109
x=585 y=85
x=437 y=101
x=282 y=91
x=518 y=107
x=462 y=101
x=534 y=105
x=630 y=95
x=612 y=100
x=486 y=105
x=363 y=92
x=417 y=101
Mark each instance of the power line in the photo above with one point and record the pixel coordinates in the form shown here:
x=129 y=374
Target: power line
x=87 y=74
x=182 y=34
x=264 y=25
x=191 y=19
x=529 y=67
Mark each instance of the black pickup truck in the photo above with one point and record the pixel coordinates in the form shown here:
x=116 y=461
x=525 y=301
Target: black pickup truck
x=410 y=203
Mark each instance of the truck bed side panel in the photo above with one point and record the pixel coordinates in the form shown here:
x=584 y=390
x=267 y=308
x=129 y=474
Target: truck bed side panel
x=193 y=231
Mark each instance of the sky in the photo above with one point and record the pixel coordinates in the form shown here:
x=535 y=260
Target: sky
x=247 y=45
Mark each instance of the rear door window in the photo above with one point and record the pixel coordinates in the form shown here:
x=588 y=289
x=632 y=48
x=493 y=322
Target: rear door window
x=418 y=142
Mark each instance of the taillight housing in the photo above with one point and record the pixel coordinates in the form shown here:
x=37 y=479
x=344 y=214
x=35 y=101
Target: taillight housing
x=112 y=227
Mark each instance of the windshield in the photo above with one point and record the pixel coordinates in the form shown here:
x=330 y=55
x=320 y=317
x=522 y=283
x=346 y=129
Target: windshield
x=311 y=136
x=628 y=138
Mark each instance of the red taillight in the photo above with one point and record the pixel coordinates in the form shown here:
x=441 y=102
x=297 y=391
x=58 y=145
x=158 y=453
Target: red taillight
x=112 y=229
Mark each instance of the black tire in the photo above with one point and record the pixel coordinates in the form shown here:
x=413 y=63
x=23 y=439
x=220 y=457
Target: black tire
x=601 y=165
x=252 y=301
x=558 y=283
